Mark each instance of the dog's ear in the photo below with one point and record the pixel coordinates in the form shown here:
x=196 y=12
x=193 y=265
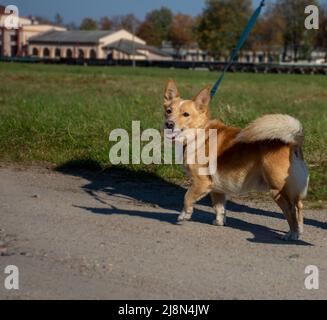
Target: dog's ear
x=171 y=92
x=202 y=99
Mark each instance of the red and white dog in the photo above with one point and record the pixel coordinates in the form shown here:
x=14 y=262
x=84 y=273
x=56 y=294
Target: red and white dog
x=265 y=156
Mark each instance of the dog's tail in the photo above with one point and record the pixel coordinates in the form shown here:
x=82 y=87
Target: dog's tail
x=273 y=127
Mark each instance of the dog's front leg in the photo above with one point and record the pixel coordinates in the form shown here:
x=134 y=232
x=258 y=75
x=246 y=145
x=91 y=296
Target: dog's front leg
x=195 y=193
x=218 y=202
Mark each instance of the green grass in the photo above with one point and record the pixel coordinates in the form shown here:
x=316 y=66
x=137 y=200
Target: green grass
x=63 y=114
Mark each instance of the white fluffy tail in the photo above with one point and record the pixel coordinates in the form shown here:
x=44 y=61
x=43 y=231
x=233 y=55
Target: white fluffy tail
x=273 y=127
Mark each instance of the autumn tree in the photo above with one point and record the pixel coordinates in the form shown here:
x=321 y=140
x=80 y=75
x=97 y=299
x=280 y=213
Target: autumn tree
x=181 y=31
x=128 y=22
x=321 y=37
x=147 y=32
x=88 y=24
x=268 y=34
x=105 y=23
x=296 y=37
x=159 y=23
x=221 y=24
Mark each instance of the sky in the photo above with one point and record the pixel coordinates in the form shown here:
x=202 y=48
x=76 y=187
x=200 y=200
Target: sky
x=76 y=10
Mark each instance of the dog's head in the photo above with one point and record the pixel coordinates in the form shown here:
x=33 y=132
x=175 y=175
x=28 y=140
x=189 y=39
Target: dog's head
x=180 y=114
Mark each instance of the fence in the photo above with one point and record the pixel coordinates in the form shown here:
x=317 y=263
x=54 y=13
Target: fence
x=210 y=65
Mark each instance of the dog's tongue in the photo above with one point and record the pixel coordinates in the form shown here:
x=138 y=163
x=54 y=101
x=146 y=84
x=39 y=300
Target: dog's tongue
x=171 y=134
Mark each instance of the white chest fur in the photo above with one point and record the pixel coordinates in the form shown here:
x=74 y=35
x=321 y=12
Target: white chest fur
x=239 y=184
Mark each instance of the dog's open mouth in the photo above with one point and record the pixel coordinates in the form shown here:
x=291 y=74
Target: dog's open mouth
x=172 y=134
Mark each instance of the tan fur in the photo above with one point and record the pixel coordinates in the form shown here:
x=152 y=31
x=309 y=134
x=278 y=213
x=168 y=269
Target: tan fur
x=265 y=156
x=273 y=127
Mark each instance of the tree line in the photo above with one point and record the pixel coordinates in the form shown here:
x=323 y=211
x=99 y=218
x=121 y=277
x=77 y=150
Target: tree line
x=217 y=29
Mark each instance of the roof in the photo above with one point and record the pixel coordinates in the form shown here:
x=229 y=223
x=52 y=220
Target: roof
x=131 y=48
x=75 y=36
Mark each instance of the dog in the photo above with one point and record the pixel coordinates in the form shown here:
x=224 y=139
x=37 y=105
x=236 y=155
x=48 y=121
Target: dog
x=266 y=156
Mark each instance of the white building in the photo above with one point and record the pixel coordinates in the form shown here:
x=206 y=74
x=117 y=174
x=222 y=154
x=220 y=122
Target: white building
x=78 y=44
x=14 y=42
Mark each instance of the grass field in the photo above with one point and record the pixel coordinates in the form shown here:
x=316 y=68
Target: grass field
x=63 y=114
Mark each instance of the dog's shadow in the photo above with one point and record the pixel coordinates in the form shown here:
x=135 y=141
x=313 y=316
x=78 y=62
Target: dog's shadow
x=141 y=188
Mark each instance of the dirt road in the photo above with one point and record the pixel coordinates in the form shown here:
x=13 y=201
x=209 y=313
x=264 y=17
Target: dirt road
x=105 y=236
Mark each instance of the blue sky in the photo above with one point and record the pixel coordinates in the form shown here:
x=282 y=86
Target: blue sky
x=75 y=10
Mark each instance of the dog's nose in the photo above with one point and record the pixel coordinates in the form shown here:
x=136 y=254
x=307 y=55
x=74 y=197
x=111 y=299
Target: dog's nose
x=170 y=125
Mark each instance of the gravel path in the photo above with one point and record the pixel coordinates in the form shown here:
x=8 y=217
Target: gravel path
x=104 y=236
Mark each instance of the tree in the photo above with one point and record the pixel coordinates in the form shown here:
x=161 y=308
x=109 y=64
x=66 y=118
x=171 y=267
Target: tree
x=221 y=24
x=128 y=22
x=105 y=23
x=181 y=31
x=268 y=33
x=58 y=19
x=321 y=37
x=147 y=32
x=88 y=24
x=160 y=21
x=295 y=35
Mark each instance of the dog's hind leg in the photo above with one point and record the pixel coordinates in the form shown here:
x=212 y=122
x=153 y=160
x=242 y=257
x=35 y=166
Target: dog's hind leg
x=218 y=203
x=198 y=190
x=300 y=215
x=291 y=213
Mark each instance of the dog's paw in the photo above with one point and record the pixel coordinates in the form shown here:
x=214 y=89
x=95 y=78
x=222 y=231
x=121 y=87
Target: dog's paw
x=219 y=222
x=184 y=217
x=291 y=236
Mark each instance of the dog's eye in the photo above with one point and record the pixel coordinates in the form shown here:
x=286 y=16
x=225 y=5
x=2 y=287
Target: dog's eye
x=168 y=111
x=185 y=114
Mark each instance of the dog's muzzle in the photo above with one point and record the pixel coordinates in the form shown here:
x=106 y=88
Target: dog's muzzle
x=170 y=125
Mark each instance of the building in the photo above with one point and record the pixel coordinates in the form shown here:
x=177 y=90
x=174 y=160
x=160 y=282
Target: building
x=129 y=50
x=15 y=42
x=247 y=56
x=78 y=44
x=33 y=39
x=190 y=52
x=319 y=56
x=33 y=30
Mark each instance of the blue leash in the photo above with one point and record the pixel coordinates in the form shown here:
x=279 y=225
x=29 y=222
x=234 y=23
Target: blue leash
x=238 y=47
